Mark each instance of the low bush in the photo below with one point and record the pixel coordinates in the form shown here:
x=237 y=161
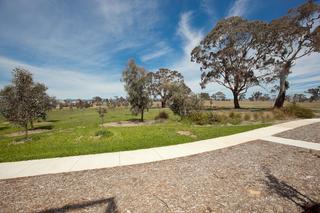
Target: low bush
x=246 y=117
x=298 y=111
x=202 y=118
x=214 y=118
x=279 y=114
x=235 y=121
x=199 y=118
x=162 y=115
x=103 y=133
x=256 y=116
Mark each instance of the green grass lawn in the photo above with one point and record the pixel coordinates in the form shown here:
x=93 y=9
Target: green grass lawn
x=72 y=132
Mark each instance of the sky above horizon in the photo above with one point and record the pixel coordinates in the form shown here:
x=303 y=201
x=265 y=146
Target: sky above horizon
x=80 y=48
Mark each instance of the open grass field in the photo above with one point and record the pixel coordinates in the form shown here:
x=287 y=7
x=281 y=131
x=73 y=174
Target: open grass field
x=72 y=132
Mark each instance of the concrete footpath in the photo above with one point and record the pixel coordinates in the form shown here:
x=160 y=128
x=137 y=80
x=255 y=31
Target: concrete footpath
x=105 y=160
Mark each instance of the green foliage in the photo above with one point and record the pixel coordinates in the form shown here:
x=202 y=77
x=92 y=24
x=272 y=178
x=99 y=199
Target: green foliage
x=162 y=115
x=215 y=118
x=24 y=100
x=202 y=118
x=103 y=133
x=199 y=117
x=182 y=102
x=162 y=81
x=101 y=111
x=138 y=87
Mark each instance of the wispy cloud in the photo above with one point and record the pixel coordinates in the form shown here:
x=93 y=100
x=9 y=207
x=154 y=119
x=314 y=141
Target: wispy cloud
x=52 y=32
x=190 y=37
x=208 y=6
x=68 y=83
x=155 y=54
x=239 y=8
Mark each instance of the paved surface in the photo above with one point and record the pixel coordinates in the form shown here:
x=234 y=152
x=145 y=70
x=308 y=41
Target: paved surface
x=105 y=160
x=257 y=176
x=310 y=133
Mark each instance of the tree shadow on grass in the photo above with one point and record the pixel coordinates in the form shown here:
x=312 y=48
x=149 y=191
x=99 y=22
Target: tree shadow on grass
x=110 y=203
x=53 y=120
x=3 y=127
x=282 y=189
x=45 y=127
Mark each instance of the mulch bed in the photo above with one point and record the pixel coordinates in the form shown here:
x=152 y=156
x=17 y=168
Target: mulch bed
x=253 y=177
x=310 y=133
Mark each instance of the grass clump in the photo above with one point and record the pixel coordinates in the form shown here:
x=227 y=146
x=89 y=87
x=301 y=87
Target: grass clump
x=162 y=115
x=103 y=133
x=298 y=111
x=214 y=118
x=246 y=117
x=200 y=118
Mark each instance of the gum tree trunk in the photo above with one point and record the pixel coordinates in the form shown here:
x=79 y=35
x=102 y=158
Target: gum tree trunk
x=142 y=112
x=236 y=100
x=282 y=86
x=26 y=131
x=163 y=104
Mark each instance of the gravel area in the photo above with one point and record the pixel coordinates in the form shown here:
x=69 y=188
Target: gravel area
x=256 y=176
x=310 y=133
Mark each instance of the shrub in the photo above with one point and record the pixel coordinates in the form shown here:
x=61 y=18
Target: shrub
x=279 y=114
x=246 y=117
x=162 y=115
x=256 y=116
x=235 y=121
x=298 y=111
x=232 y=115
x=103 y=133
x=199 y=118
x=214 y=118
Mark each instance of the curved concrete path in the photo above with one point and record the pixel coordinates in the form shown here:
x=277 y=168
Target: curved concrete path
x=105 y=160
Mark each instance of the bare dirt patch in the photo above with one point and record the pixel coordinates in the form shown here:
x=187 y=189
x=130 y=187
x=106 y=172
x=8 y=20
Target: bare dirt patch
x=186 y=133
x=128 y=123
x=252 y=177
x=30 y=132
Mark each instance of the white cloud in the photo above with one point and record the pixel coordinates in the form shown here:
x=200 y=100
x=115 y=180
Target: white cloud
x=54 y=34
x=156 y=54
x=239 y=8
x=190 y=39
x=68 y=83
x=208 y=6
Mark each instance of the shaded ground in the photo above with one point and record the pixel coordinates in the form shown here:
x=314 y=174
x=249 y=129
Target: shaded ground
x=253 y=177
x=309 y=133
x=30 y=132
x=128 y=123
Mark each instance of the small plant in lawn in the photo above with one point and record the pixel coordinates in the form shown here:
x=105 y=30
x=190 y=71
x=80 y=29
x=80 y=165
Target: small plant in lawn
x=162 y=115
x=103 y=133
x=101 y=111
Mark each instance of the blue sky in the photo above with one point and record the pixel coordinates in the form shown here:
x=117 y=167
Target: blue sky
x=79 y=48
